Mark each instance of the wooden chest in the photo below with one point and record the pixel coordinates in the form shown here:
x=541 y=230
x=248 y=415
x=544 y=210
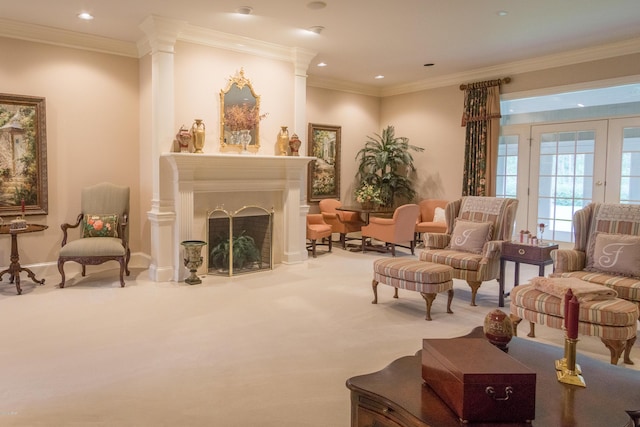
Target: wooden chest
x=478 y=381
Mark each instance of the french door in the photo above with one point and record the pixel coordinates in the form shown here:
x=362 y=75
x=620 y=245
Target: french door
x=562 y=167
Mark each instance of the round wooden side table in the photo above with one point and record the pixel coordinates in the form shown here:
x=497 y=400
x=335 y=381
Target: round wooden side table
x=15 y=268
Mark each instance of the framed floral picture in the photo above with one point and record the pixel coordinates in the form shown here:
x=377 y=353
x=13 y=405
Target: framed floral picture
x=23 y=155
x=324 y=172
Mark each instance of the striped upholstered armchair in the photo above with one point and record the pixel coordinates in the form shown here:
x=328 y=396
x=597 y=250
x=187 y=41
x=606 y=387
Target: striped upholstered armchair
x=606 y=249
x=476 y=228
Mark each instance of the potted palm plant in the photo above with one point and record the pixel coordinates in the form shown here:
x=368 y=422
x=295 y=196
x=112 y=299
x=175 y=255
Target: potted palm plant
x=385 y=162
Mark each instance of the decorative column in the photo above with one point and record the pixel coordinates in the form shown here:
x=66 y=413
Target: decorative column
x=161 y=38
x=302 y=59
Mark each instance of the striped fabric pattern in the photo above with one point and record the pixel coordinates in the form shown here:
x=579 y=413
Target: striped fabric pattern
x=455 y=259
x=599 y=217
x=627 y=287
x=435 y=240
x=619 y=333
x=413 y=275
x=565 y=260
x=613 y=312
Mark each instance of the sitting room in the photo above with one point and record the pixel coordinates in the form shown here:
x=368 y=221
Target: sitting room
x=210 y=127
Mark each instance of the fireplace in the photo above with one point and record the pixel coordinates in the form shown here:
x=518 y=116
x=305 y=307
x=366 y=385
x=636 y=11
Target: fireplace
x=196 y=183
x=240 y=242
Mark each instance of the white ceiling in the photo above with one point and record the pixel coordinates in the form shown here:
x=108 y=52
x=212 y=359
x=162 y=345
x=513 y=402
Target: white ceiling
x=365 y=38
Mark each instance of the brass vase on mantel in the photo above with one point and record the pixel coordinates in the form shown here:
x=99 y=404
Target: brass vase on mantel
x=283 y=141
x=197 y=130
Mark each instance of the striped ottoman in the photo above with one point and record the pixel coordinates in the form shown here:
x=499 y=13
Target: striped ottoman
x=614 y=320
x=414 y=275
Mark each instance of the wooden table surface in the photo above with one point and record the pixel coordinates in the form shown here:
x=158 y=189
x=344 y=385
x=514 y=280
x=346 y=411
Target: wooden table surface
x=610 y=392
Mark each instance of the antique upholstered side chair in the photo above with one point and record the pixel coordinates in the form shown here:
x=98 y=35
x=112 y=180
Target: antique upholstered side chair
x=103 y=231
x=476 y=228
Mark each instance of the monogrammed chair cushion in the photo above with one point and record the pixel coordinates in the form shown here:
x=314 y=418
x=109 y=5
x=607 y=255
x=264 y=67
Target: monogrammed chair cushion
x=470 y=236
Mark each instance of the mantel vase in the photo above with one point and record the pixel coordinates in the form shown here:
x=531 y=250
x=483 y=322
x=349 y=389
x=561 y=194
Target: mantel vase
x=197 y=130
x=283 y=141
x=294 y=145
x=245 y=139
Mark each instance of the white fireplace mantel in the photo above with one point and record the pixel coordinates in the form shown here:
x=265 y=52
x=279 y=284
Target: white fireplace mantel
x=234 y=173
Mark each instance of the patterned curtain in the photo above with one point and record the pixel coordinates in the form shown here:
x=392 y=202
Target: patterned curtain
x=481 y=118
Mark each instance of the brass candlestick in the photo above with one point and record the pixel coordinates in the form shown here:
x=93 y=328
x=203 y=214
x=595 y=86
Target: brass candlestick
x=561 y=364
x=570 y=375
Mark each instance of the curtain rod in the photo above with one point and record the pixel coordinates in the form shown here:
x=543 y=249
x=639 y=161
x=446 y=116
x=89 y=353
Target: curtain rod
x=486 y=83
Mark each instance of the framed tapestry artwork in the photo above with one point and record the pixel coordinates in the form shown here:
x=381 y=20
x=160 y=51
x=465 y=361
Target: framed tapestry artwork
x=23 y=155
x=324 y=173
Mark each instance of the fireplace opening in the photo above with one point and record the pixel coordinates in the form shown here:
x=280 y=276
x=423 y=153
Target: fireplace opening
x=250 y=248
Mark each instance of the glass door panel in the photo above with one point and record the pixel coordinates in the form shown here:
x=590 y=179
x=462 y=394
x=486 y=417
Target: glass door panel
x=570 y=161
x=623 y=164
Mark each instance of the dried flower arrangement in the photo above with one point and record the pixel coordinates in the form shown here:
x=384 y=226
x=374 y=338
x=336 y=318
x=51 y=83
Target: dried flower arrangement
x=239 y=117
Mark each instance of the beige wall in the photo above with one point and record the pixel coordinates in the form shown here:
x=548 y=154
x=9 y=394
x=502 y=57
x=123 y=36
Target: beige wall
x=201 y=72
x=92 y=131
x=357 y=116
x=96 y=102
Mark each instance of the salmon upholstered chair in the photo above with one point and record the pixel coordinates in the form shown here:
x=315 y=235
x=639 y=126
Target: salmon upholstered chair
x=317 y=229
x=476 y=228
x=396 y=230
x=428 y=221
x=341 y=222
x=104 y=234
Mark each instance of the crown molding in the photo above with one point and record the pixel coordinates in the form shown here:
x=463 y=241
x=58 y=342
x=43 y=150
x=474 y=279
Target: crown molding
x=594 y=53
x=65 y=38
x=343 y=86
x=232 y=42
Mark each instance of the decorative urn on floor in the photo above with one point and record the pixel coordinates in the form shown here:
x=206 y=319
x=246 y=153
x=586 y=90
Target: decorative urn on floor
x=193 y=259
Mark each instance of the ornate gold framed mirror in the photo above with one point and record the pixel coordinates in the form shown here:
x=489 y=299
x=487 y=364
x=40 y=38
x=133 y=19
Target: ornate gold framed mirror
x=239 y=116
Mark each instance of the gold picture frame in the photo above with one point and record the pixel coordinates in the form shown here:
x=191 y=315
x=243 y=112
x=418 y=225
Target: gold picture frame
x=324 y=173
x=23 y=155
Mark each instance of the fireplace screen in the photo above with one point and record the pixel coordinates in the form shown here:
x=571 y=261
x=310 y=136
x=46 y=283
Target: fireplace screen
x=250 y=247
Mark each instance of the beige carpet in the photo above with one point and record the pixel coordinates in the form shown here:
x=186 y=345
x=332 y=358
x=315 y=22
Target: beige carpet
x=267 y=349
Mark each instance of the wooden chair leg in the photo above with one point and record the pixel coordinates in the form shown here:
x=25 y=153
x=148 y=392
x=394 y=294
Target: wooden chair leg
x=374 y=285
x=532 y=330
x=474 y=290
x=515 y=321
x=429 y=298
x=61 y=270
x=627 y=351
x=616 y=347
x=449 y=300
x=395 y=292
x=313 y=248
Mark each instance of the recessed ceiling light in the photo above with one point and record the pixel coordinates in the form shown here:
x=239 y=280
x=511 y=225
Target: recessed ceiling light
x=580 y=105
x=322 y=64
x=85 y=16
x=244 y=10
x=502 y=13
x=316 y=29
x=379 y=76
x=316 y=5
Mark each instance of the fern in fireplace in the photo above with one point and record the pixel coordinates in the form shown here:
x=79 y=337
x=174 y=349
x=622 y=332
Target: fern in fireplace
x=245 y=252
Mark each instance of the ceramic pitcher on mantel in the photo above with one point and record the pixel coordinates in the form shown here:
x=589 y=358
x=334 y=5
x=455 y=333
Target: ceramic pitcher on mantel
x=283 y=141
x=197 y=130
